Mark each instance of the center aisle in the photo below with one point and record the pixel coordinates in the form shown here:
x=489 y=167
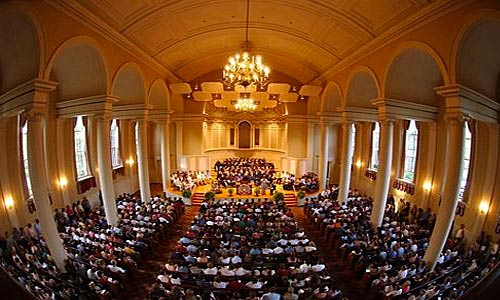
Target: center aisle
x=141 y=280
x=338 y=269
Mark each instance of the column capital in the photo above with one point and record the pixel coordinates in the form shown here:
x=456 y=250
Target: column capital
x=455 y=118
x=34 y=115
x=103 y=117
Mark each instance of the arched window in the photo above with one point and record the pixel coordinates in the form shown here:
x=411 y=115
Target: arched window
x=24 y=146
x=353 y=142
x=116 y=160
x=375 y=146
x=81 y=158
x=411 y=146
x=464 y=175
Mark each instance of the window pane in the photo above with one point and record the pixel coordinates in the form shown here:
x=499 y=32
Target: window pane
x=24 y=142
x=375 y=146
x=466 y=161
x=353 y=142
x=116 y=160
x=81 y=161
x=411 y=146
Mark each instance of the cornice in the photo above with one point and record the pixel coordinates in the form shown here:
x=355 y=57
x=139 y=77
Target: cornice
x=133 y=111
x=30 y=95
x=426 y=15
x=82 y=15
x=357 y=114
x=464 y=100
x=101 y=105
x=400 y=109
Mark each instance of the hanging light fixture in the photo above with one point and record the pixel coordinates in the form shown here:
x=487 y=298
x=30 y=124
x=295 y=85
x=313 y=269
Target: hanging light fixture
x=245 y=104
x=244 y=69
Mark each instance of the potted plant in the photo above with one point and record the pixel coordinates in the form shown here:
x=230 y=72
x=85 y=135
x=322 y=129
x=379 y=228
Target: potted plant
x=301 y=195
x=186 y=196
x=210 y=195
x=278 y=197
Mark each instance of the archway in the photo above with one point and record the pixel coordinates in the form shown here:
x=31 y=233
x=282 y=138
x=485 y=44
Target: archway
x=20 y=55
x=244 y=132
x=412 y=76
x=128 y=85
x=79 y=68
x=362 y=88
x=478 y=58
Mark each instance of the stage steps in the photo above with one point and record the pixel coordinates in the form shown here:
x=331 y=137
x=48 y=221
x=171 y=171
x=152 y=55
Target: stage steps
x=290 y=199
x=197 y=198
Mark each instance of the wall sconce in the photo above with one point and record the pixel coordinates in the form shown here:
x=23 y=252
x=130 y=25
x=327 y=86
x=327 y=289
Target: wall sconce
x=63 y=182
x=359 y=163
x=9 y=202
x=130 y=162
x=427 y=186
x=484 y=206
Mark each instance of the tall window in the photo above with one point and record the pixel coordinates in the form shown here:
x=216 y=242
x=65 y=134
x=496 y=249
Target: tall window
x=116 y=160
x=81 y=158
x=411 y=146
x=375 y=146
x=353 y=142
x=466 y=161
x=24 y=146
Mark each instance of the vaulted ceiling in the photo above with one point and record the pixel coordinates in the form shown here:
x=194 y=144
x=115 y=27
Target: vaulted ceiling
x=299 y=38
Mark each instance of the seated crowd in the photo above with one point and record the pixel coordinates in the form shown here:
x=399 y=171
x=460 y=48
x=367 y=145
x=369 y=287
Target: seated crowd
x=390 y=258
x=182 y=180
x=245 y=249
x=308 y=182
x=99 y=255
x=233 y=170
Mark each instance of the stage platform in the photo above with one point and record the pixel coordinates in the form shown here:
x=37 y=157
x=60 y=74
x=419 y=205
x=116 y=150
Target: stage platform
x=199 y=194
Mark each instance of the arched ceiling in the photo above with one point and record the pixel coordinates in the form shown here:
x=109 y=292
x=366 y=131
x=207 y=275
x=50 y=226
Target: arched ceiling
x=300 y=38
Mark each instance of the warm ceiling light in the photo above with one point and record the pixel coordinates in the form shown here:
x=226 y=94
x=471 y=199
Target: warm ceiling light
x=130 y=162
x=245 y=69
x=245 y=104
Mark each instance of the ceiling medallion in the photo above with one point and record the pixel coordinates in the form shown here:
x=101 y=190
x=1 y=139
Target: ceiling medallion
x=244 y=69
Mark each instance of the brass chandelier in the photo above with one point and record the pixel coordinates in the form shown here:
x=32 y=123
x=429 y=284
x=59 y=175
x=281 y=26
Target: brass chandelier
x=244 y=69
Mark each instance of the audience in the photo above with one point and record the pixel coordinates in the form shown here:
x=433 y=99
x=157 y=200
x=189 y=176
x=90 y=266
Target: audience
x=99 y=256
x=245 y=249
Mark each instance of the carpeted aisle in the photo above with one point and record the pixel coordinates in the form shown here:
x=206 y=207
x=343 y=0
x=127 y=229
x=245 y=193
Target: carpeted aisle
x=138 y=283
x=338 y=269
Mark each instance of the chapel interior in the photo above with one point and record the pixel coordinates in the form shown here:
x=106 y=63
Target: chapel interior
x=250 y=149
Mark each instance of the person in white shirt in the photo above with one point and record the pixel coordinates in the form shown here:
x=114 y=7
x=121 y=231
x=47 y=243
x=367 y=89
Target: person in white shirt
x=219 y=284
x=241 y=271
x=236 y=260
x=225 y=271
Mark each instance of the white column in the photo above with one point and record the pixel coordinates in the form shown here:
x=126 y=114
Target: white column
x=383 y=172
x=310 y=147
x=105 y=168
x=345 y=167
x=449 y=198
x=165 y=155
x=142 y=159
x=323 y=156
x=40 y=189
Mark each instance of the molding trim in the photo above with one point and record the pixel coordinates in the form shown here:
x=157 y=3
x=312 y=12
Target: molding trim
x=357 y=114
x=83 y=16
x=133 y=111
x=461 y=99
x=428 y=14
x=94 y=105
x=30 y=95
x=400 y=109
